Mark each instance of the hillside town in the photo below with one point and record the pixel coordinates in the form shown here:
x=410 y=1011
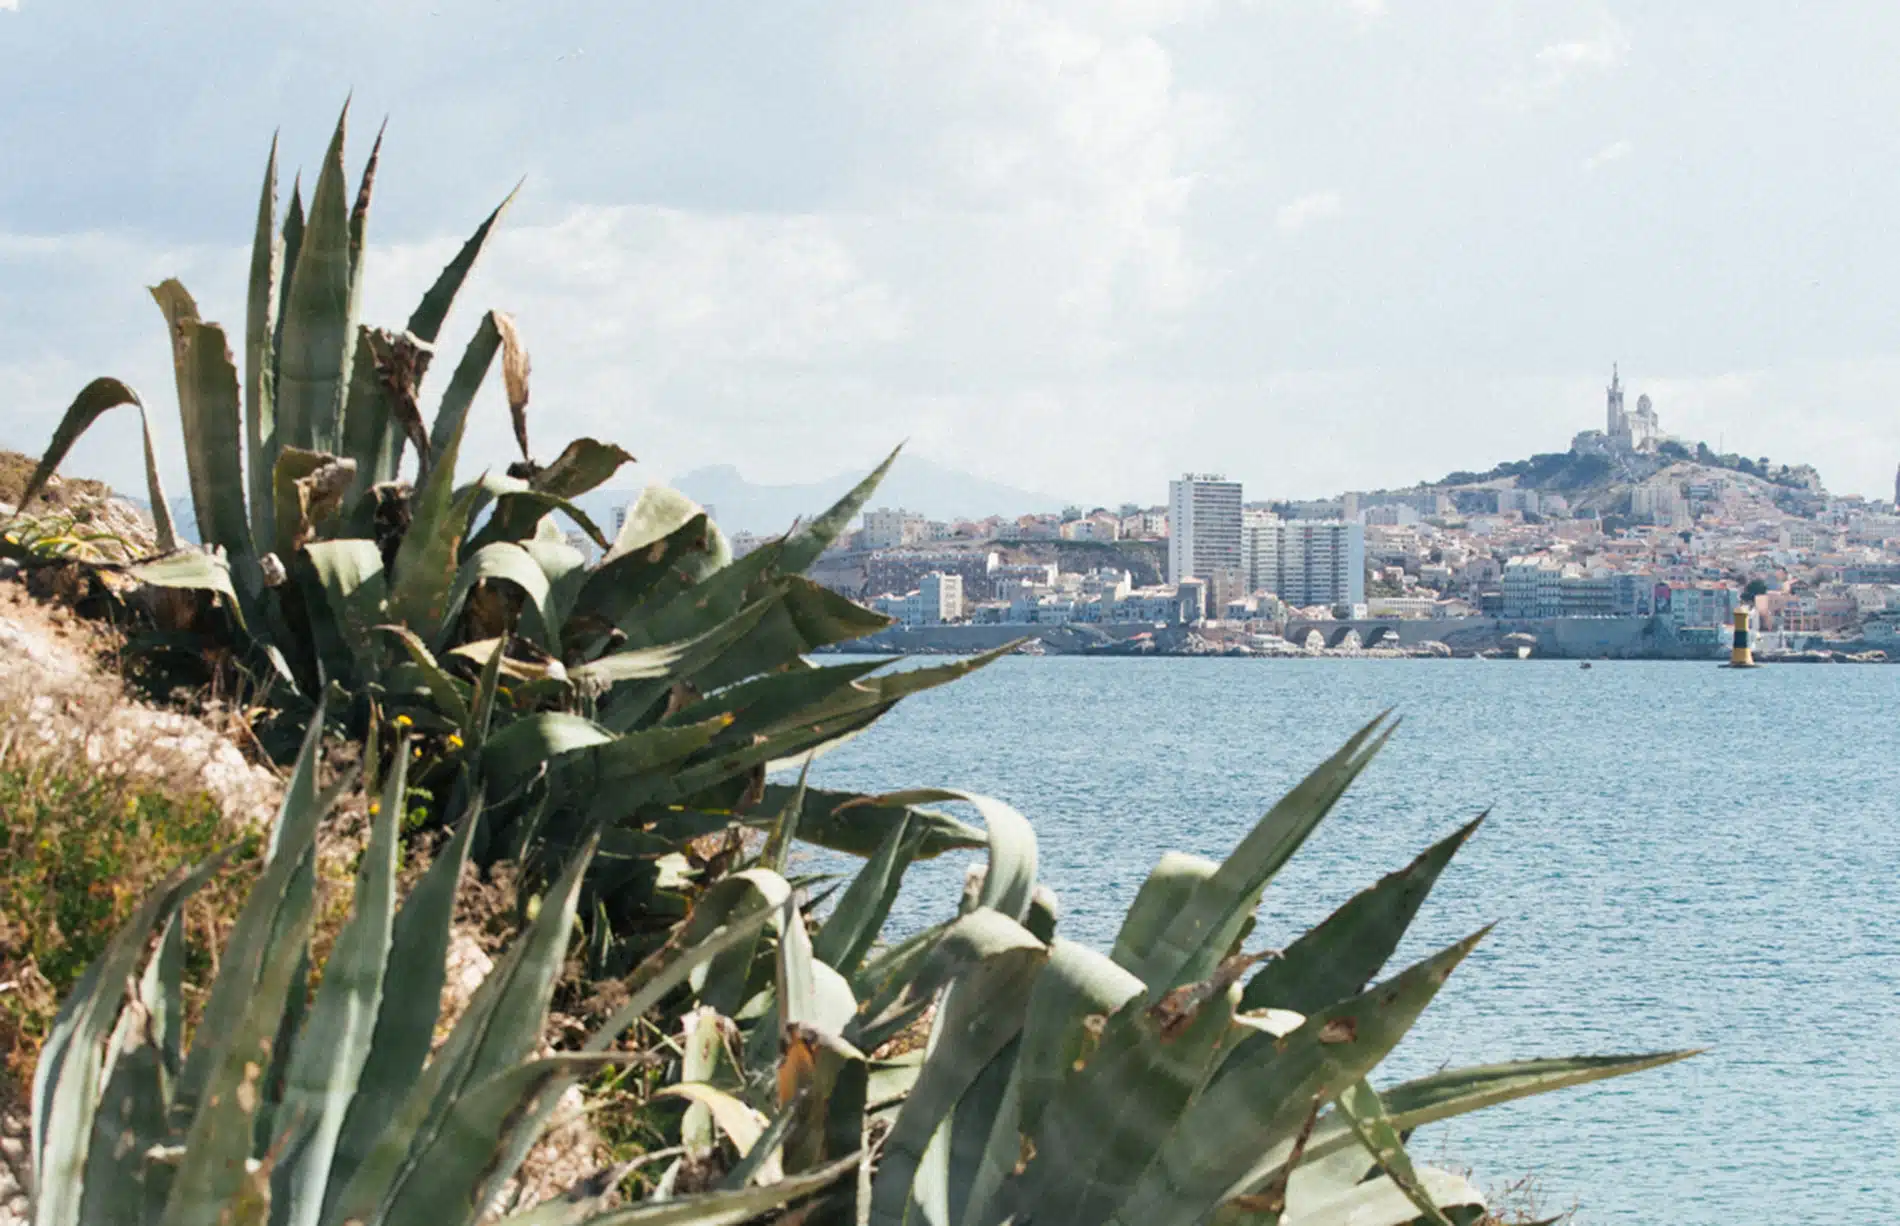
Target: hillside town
x=1630 y=543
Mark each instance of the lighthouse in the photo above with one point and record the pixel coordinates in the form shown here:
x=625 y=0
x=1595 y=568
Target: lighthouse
x=1742 y=655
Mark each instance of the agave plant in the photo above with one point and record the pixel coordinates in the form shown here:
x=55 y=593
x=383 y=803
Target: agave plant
x=653 y=687
x=1173 y=1080
x=303 y=1108
x=1176 y=1079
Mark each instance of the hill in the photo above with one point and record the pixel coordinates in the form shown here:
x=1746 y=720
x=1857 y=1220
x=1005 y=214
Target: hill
x=1599 y=480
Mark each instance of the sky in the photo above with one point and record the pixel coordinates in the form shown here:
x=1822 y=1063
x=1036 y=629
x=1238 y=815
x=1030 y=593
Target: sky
x=1080 y=246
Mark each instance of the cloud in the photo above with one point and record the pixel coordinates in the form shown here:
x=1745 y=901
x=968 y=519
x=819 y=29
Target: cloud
x=1296 y=215
x=1557 y=65
x=9 y=6
x=1615 y=151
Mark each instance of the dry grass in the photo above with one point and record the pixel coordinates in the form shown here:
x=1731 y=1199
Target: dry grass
x=81 y=843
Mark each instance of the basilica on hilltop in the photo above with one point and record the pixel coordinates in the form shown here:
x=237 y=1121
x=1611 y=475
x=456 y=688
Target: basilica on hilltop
x=1625 y=432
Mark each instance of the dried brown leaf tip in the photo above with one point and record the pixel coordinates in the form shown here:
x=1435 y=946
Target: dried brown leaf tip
x=1339 y=1030
x=514 y=375
x=1173 y=1012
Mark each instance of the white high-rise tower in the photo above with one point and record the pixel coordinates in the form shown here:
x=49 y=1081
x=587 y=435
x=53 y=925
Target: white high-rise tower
x=1203 y=527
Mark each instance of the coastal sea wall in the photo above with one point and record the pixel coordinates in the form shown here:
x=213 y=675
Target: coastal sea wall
x=1569 y=638
x=1564 y=638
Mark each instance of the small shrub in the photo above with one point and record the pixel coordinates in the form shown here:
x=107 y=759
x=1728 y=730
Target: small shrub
x=80 y=846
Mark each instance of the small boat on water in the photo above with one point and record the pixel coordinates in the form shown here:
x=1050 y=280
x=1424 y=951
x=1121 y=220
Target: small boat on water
x=1585 y=664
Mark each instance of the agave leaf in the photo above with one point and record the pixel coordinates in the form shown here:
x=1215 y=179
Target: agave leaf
x=807 y=995
x=565 y=569
x=1267 y=1089
x=804 y=618
x=669 y=660
x=984 y=1144
x=67 y=1078
x=729 y=1207
x=854 y=924
x=584 y=465
x=798 y=1001
x=1342 y=954
x=262 y=934
x=1163 y=893
x=1011 y=879
x=802 y=547
x=359 y=215
x=703 y=1038
x=746 y=899
x=529 y=745
x=518 y=511
x=691 y=945
x=211 y=419
x=282 y=1048
x=405 y=1020
x=823 y=1090
x=857 y=824
x=192 y=570
x=708 y=933
x=426 y=322
x=260 y=373
x=647 y=767
x=1078 y=983
x=293 y=244
x=883 y=691
x=1360 y=1106
x=1455 y=1092
x=161 y=990
x=319 y=331
x=1383 y=1202
x=764 y=1161
x=1207 y=924
x=775 y=700
x=350 y=573
x=656 y=517
x=506 y=561
x=741 y=1124
x=426 y=560
x=445 y=689
x=514 y=378
x=310 y=487
x=381 y=411
x=130 y=1118
x=94 y=400
x=463 y=1165
x=451 y=417
x=331 y=1052
x=1090 y=1150
x=980 y=1015
x=777 y=852
x=500 y=1027
x=211 y=1174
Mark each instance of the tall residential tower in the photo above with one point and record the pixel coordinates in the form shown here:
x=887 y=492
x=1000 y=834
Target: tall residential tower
x=1203 y=527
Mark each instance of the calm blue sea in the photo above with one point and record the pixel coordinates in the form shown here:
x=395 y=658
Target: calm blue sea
x=1677 y=855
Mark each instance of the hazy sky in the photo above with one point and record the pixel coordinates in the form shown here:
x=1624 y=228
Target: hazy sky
x=1078 y=245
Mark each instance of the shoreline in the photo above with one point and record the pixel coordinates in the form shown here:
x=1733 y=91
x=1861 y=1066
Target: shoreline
x=1825 y=657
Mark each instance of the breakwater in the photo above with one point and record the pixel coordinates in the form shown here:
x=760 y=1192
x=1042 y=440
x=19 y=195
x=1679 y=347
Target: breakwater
x=1560 y=638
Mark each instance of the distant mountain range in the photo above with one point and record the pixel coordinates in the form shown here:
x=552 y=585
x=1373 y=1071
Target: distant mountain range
x=914 y=483
x=742 y=506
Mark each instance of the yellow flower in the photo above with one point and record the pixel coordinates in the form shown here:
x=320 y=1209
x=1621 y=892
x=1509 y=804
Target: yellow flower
x=455 y=742
x=403 y=721
x=375 y=807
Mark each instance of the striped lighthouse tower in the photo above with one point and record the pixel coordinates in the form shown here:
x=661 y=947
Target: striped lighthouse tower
x=1742 y=655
